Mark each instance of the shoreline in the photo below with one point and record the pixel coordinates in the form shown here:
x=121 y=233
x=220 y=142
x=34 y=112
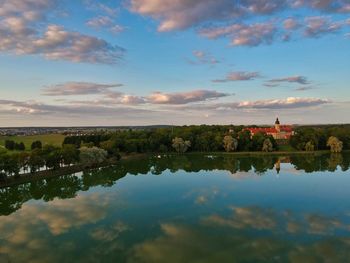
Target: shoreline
x=47 y=174
x=267 y=153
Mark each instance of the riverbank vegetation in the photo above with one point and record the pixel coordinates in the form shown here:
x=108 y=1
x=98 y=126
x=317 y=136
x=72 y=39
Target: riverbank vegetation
x=50 y=158
x=216 y=138
x=93 y=149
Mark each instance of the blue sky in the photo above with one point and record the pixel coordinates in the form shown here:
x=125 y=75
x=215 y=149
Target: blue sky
x=138 y=62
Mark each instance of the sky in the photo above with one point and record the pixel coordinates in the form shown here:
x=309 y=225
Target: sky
x=151 y=62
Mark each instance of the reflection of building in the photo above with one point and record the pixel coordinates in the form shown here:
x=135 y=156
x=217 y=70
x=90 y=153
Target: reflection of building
x=281 y=160
x=278 y=166
x=278 y=132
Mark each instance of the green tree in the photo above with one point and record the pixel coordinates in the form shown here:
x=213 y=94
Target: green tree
x=304 y=135
x=230 y=143
x=20 y=146
x=92 y=156
x=3 y=159
x=10 y=145
x=52 y=156
x=11 y=165
x=267 y=146
x=111 y=147
x=36 y=145
x=309 y=147
x=180 y=145
x=23 y=159
x=36 y=160
x=70 y=154
x=335 y=144
x=244 y=140
x=258 y=141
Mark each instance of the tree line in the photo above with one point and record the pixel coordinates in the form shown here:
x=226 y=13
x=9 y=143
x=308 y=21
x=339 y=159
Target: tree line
x=96 y=148
x=11 y=145
x=215 y=138
x=202 y=138
x=311 y=138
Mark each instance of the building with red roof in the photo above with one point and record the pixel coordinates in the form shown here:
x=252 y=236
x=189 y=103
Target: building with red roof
x=278 y=132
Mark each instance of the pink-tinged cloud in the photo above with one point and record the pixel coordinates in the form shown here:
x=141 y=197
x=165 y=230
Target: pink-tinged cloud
x=291 y=24
x=105 y=22
x=293 y=79
x=238 y=76
x=184 y=97
x=23 y=32
x=203 y=57
x=100 y=21
x=78 y=88
x=331 y=6
x=242 y=34
x=132 y=100
x=182 y=14
x=319 y=25
x=288 y=103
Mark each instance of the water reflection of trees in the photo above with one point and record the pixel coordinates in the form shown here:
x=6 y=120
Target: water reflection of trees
x=12 y=198
x=326 y=162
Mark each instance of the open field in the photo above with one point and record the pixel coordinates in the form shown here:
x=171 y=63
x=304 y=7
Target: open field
x=54 y=139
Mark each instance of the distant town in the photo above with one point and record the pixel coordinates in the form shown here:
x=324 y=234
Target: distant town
x=69 y=131
x=277 y=131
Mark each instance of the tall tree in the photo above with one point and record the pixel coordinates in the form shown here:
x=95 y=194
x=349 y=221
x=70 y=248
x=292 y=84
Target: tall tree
x=180 y=145
x=230 y=143
x=309 y=147
x=70 y=154
x=267 y=146
x=335 y=144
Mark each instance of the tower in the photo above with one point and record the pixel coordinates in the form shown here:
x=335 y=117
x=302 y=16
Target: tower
x=277 y=125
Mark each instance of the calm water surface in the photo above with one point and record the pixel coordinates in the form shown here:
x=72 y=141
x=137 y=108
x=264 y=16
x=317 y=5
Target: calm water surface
x=192 y=208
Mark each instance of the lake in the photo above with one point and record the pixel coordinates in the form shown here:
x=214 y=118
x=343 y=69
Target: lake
x=187 y=208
